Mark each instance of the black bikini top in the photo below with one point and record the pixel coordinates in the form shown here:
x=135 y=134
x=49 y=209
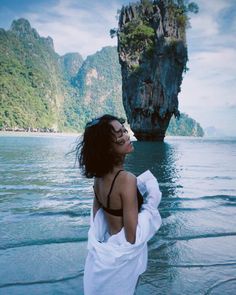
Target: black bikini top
x=117 y=212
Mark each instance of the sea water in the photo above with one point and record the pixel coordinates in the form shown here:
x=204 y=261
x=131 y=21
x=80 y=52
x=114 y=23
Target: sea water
x=45 y=204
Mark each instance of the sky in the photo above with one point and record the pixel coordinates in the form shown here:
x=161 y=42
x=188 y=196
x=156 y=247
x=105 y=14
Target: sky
x=208 y=90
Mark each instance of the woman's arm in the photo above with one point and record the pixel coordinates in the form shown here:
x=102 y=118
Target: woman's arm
x=130 y=206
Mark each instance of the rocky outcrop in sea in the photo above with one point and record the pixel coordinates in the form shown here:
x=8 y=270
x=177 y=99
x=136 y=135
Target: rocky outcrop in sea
x=153 y=55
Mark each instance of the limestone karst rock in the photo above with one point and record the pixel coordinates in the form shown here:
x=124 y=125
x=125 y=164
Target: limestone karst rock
x=153 y=55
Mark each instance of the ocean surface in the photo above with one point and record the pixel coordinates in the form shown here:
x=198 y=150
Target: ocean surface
x=45 y=205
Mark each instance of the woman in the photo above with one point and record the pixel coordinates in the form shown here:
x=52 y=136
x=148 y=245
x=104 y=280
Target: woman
x=117 y=250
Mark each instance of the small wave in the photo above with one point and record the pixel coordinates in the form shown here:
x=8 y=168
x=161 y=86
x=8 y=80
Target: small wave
x=206 y=236
x=219 y=284
x=170 y=184
x=192 y=265
x=81 y=213
x=219 y=177
x=230 y=198
x=221 y=197
x=44 y=242
x=78 y=274
x=6 y=195
x=33 y=187
x=180 y=209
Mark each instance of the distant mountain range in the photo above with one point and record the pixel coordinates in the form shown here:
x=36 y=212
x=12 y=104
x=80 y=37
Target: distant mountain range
x=211 y=131
x=40 y=89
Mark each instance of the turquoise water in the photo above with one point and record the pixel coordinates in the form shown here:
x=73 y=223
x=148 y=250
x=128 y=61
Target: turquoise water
x=45 y=205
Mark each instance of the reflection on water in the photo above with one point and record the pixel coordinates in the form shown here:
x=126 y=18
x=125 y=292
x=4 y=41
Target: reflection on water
x=45 y=205
x=160 y=158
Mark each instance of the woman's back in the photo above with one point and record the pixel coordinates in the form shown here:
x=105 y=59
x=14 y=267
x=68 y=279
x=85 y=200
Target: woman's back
x=108 y=195
x=110 y=191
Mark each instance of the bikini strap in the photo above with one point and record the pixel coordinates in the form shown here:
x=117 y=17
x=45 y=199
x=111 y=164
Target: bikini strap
x=108 y=196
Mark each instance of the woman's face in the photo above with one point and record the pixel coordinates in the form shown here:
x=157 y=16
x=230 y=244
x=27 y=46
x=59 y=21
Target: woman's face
x=122 y=144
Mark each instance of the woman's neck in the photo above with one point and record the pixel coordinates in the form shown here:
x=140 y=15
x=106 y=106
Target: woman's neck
x=118 y=167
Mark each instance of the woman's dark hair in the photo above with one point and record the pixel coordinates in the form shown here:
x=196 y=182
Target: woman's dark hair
x=94 y=153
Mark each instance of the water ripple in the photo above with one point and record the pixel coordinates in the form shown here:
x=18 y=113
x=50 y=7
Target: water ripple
x=219 y=284
x=78 y=274
x=80 y=213
x=206 y=236
x=44 y=242
x=33 y=187
x=211 y=197
x=192 y=265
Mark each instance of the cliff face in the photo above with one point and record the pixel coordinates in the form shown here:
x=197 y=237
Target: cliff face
x=153 y=55
x=99 y=84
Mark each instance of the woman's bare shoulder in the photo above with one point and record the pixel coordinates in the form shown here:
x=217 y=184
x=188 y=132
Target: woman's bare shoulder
x=128 y=176
x=128 y=179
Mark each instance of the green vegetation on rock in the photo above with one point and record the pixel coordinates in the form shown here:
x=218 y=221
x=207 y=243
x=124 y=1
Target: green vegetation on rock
x=98 y=83
x=31 y=87
x=184 y=126
x=181 y=9
x=137 y=36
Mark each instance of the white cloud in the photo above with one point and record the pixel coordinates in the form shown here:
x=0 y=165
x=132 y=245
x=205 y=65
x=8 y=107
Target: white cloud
x=208 y=89
x=210 y=78
x=76 y=28
x=204 y=26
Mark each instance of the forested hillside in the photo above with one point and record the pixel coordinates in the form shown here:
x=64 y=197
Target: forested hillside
x=32 y=87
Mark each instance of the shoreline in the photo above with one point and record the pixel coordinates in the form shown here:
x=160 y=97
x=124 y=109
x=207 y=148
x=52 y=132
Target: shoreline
x=38 y=134
x=74 y=134
x=65 y=134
